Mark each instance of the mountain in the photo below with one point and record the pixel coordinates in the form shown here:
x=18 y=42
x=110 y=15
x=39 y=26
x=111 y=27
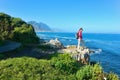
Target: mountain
x=40 y=26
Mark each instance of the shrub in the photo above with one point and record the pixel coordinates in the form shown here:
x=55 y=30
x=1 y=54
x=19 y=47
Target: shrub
x=84 y=73
x=64 y=63
x=90 y=73
x=25 y=35
x=30 y=69
x=112 y=76
x=60 y=67
x=22 y=68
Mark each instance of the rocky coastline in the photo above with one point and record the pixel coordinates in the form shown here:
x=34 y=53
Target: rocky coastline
x=52 y=46
x=55 y=46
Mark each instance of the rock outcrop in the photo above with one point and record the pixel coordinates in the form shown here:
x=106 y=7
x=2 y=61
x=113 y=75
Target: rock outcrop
x=56 y=44
x=82 y=54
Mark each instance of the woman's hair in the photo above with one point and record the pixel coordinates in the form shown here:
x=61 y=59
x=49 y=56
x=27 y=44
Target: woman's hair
x=81 y=29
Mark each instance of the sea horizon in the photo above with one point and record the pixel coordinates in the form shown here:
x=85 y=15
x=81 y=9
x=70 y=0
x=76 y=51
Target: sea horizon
x=76 y=32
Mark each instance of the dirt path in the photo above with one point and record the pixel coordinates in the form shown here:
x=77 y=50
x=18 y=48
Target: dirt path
x=9 y=46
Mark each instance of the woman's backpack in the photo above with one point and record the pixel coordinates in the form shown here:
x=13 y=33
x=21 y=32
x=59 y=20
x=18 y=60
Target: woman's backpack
x=77 y=35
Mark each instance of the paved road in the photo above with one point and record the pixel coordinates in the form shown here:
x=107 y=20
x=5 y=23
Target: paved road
x=9 y=46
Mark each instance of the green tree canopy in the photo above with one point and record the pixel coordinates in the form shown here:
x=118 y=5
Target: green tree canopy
x=16 y=29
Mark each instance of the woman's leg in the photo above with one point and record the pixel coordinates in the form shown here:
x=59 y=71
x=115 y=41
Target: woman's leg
x=82 y=42
x=78 y=47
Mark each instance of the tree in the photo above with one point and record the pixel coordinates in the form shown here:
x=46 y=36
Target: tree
x=16 y=29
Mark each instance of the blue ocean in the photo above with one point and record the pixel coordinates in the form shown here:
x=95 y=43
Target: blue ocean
x=109 y=57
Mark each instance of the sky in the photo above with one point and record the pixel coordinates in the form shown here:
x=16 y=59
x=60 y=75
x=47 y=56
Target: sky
x=94 y=16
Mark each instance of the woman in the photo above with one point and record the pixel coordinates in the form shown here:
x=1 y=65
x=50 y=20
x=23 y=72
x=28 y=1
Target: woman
x=79 y=37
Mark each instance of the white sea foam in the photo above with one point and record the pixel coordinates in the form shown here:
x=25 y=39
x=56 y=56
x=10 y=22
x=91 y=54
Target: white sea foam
x=98 y=50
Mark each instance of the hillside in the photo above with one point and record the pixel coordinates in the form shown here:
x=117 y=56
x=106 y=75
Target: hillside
x=16 y=29
x=40 y=26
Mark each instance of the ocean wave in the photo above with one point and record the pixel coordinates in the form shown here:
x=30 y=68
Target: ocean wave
x=67 y=37
x=98 y=50
x=87 y=40
x=104 y=43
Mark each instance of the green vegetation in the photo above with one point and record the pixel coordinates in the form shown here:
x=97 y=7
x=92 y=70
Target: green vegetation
x=1 y=42
x=112 y=76
x=90 y=73
x=16 y=29
x=59 y=67
x=1 y=55
x=65 y=63
x=45 y=47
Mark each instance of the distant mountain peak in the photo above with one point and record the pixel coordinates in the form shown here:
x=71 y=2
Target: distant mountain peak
x=40 y=26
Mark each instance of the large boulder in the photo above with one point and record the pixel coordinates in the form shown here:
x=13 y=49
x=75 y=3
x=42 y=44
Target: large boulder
x=82 y=54
x=55 y=44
